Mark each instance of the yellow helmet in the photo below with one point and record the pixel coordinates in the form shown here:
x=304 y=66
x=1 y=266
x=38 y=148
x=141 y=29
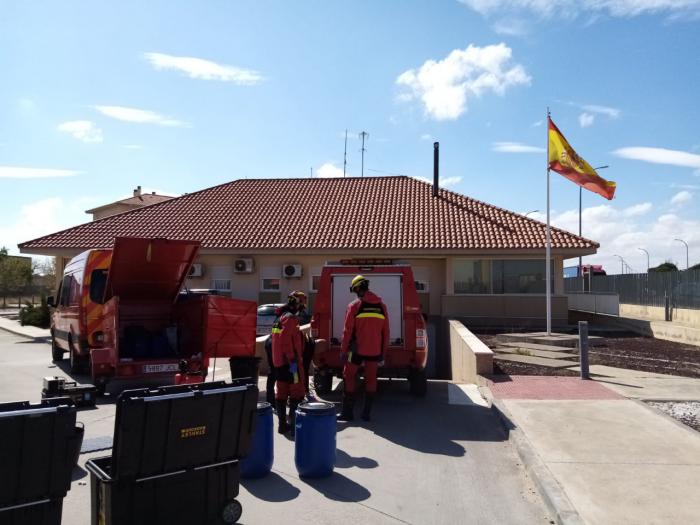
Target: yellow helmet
x=358 y=281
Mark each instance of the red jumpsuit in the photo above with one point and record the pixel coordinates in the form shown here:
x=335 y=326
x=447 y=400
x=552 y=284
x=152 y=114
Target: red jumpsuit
x=365 y=338
x=288 y=347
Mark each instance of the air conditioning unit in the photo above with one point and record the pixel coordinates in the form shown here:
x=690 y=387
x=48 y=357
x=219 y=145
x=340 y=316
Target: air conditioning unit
x=196 y=270
x=243 y=266
x=290 y=271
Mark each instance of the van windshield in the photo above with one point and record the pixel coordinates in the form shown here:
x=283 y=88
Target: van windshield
x=98 y=279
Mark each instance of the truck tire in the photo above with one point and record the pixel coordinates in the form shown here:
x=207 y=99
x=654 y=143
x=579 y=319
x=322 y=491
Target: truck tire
x=418 y=382
x=56 y=351
x=78 y=363
x=323 y=381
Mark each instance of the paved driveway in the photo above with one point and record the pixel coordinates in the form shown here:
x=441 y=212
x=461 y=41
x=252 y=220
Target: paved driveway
x=443 y=459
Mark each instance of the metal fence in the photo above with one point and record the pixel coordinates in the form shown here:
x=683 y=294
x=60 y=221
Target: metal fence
x=682 y=287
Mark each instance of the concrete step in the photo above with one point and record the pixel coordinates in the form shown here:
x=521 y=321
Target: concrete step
x=546 y=348
x=561 y=340
x=540 y=361
x=536 y=353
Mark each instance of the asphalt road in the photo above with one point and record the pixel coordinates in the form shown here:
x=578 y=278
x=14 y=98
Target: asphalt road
x=439 y=460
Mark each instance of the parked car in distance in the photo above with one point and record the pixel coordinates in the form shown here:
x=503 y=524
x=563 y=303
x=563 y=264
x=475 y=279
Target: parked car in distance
x=267 y=313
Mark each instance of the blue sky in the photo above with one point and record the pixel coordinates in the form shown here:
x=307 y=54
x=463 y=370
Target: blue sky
x=97 y=98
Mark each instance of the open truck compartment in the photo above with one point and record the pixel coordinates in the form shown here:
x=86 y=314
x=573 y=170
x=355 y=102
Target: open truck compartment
x=149 y=327
x=175 y=455
x=408 y=347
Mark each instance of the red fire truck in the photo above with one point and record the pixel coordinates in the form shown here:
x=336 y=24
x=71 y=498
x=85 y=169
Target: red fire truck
x=120 y=314
x=408 y=347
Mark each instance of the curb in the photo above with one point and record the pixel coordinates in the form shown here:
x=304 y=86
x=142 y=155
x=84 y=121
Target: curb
x=43 y=338
x=552 y=493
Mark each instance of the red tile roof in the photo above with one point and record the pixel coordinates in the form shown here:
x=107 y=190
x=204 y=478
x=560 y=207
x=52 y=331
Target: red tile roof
x=372 y=213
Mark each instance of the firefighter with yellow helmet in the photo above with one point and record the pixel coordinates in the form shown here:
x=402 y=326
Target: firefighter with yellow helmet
x=365 y=339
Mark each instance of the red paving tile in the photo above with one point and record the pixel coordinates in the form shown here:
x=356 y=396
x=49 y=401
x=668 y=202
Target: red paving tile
x=550 y=388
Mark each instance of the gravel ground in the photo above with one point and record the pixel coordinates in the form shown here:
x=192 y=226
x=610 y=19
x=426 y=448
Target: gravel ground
x=687 y=412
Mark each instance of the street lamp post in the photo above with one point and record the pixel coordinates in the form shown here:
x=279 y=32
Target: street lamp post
x=643 y=250
x=533 y=211
x=622 y=264
x=686 y=252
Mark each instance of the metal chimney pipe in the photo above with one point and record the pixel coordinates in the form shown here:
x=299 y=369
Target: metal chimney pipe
x=436 y=168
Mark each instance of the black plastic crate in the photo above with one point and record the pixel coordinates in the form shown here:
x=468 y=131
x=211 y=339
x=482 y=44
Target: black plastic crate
x=45 y=512
x=203 y=495
x=181 y=427
x=35 y=456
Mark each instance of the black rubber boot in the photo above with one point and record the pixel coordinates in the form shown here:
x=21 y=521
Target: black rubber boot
x=270 y=389
x=348 y=408
x=369 y=399
x=282 y=427
x=293 y=404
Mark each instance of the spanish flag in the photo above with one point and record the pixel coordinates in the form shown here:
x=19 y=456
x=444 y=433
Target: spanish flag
x=565 y=161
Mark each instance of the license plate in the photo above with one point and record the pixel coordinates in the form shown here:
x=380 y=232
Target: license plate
x=155 y=369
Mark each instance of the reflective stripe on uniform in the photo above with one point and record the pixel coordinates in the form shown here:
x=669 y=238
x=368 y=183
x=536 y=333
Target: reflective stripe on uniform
x=369 y=314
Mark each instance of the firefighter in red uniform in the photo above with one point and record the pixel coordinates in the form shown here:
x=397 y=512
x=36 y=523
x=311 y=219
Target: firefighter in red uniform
x=365 y=338
x=287 y=351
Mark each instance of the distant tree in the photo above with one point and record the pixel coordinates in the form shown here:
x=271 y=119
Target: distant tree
x=15 y=275
x=695 y=267
x=665 y=267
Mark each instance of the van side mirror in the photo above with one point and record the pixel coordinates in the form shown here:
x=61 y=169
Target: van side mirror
x=51 y=301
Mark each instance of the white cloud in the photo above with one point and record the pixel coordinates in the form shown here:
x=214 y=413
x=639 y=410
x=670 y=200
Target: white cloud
x=660 y=156
x=515 y=147
x=511 y=27
x=603 y=110
x=681 y=198
x=621 y=231
x=200 y=68
x=16 y=172
x=569 y=9
x=43 y=217
x=443 y=182
x=82 y=130
x=637 y=209
x=138 y=116
x=537 y=124
x=586 y=119
x=328 y=170
x=445 y=86
x=426 y=136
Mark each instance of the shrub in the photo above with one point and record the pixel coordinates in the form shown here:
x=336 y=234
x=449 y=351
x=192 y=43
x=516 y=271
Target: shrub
x=35 y=315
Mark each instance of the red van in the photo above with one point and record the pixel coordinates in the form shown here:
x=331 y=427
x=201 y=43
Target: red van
x=407 y=354
x=129 y=320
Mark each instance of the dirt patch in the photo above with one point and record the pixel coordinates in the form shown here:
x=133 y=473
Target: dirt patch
x=513 y=368
x=687 y=412
x=633 y=352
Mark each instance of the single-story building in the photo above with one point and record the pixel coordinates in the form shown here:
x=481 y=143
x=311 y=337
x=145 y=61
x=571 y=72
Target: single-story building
x=471 y=260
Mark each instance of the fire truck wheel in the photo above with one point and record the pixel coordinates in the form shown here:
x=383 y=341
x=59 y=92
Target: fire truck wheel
x=231 y=512
x=418 y=382
x=77 y=363
x=323 y=381
x=56 y=351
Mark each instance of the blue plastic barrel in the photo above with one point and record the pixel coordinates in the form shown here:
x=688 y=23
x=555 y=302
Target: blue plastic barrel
x=258 y=462
x=314 y=443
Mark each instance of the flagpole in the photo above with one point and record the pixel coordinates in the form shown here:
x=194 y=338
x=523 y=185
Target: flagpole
x=548 y=269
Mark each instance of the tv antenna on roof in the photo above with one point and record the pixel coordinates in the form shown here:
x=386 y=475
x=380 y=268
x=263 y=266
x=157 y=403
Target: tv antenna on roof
x=345 y=153
x=363 y=135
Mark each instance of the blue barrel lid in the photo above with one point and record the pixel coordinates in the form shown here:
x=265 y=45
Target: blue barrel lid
x=263 y=407
x=317 y=408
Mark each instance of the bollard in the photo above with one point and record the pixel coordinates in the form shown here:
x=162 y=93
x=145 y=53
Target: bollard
x=583 y=348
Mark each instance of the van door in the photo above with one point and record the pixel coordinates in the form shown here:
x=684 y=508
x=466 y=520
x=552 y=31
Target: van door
x=387 y=286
